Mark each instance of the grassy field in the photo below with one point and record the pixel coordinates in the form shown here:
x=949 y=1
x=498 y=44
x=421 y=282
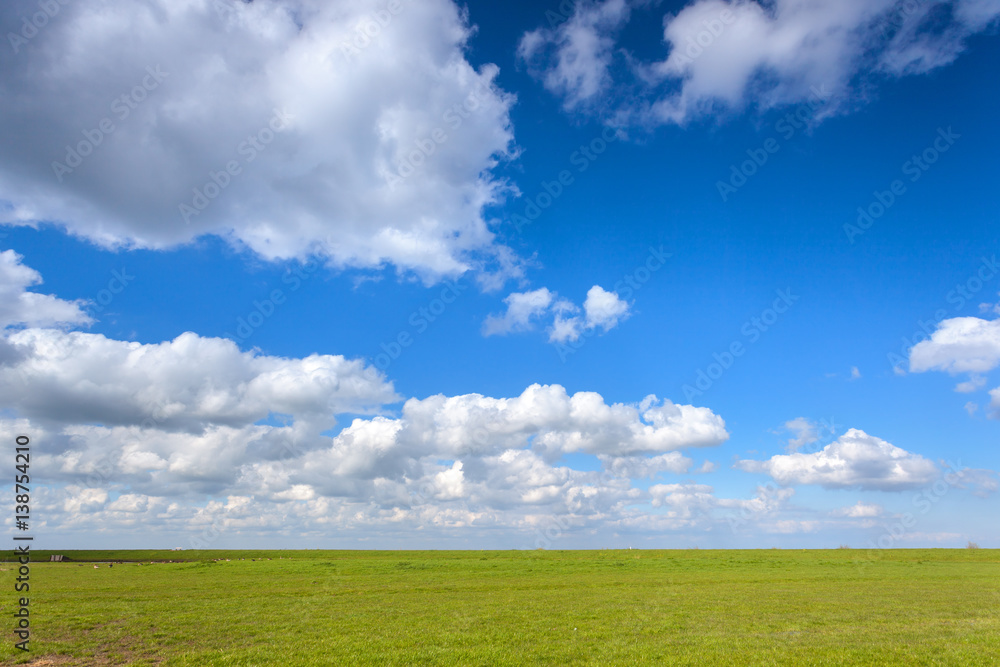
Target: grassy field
x=840 y=607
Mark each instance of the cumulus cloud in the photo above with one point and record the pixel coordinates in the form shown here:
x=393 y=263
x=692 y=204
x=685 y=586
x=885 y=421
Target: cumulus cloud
x=962 y=345
x=602 y=310
x=18 y=307
x=522 y=309
x=959 y=345
x=553 y=423
x=728 y=55
x=856 y=459
x=279 y=125
x=187 y=384
x=139 y=433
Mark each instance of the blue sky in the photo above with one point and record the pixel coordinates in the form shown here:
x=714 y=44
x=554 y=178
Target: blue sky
x=361 y=339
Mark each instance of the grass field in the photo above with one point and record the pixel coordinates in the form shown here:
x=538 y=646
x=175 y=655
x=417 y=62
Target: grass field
x=839 y=607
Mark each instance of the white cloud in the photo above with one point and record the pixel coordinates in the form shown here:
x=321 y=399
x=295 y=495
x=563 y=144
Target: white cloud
x=706 y=467
x=20 y=307
x=384 y=156
x=805 y=432
x=728 y=55
x=962 y=345
x=683 y=500
x=646 y=467
x=989 y=308
x=573 y=59
x=450 y=483
x=855 y=373
x=602 y=310
x=554 y=423
x=860 y=510
x=188 y=384
x=974 y=383
x=982 y=482
x=522 y=309
x=856 y=459
x=959 y=345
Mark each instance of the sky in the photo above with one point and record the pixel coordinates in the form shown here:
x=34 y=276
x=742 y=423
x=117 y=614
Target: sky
x=389 y=274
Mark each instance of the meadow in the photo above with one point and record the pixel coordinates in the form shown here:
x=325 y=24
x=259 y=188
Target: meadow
x=632 y=607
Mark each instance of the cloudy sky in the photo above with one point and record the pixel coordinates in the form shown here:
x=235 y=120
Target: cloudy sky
x=419 y=274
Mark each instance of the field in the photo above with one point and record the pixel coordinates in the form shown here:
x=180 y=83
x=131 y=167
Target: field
x=774 y=607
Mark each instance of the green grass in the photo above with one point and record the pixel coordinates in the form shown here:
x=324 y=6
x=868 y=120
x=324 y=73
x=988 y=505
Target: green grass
x=837 y=607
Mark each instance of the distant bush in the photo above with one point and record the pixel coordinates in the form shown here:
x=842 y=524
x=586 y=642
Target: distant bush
x=971 y=545
x=844 y=546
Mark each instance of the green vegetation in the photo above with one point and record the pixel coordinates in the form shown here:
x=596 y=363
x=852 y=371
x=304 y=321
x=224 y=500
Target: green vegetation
x=771 y=607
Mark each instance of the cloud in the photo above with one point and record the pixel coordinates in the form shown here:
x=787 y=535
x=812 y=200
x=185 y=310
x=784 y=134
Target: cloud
x=292 y=127
x=860 y=510
x=856 y=459
x=974 y=383
x=601 y=310
x=188 y=384
x=18 y=307
x=604 y=309
x=573 y=59
x=962 y=345
x=553 y=423
x=730 y=55
x=959 y=345
x=989 y=308
x=855 y=373
x=982 y=482
x=805 y=432
x=522 y=309
x=641 y=467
